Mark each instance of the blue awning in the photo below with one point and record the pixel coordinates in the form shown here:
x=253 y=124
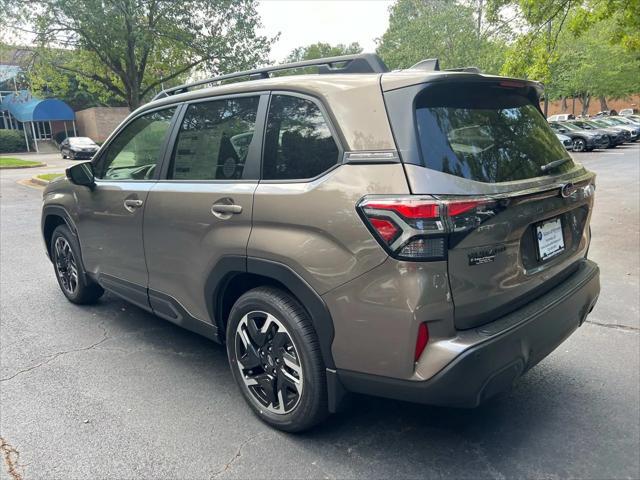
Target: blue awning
x=27 y=108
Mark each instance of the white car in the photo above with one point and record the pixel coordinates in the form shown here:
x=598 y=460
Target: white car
x=560 y=117
x=628 y=111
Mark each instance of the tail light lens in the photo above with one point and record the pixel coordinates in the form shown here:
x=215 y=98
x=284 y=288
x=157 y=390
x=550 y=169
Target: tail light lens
x=423 y=228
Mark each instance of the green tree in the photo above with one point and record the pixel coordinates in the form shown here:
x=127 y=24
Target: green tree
x=584 y=67
x=446 y=29
x=579 y=15
x=47 y=76
x=129 y=49
x=321 y=50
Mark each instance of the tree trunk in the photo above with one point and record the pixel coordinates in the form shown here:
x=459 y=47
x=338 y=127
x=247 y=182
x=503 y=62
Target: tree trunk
x=133 y=98
x=546 y=106
x=603 y=103
x=564 y=107
x=479 y=26
x=585 y=99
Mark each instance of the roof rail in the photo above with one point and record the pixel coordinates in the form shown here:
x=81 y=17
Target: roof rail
x=360 y=63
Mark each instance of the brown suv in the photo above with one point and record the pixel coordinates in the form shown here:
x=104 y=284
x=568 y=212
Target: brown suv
x=417 y=234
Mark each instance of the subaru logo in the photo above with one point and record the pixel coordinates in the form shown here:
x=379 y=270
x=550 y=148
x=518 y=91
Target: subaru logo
x=567 y=190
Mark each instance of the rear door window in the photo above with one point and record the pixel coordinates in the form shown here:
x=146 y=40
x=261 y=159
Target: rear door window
x=298 y=142
x=214 y=138
x=486 y=134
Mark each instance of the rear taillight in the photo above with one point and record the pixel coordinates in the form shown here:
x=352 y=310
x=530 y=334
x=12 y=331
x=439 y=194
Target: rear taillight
x=411 y=228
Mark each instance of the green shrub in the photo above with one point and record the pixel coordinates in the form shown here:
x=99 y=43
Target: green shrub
x=12 y=141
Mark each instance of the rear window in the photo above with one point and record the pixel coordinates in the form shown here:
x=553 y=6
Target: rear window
x=486 y=134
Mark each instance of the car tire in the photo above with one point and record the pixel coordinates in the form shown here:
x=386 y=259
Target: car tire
x=275 y=358
x=72 y=155
x=67 y=264
x=63 y=155
x=579 y=145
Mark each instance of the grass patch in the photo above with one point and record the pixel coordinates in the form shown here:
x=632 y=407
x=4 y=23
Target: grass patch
x=11 y=162
x=49 y=176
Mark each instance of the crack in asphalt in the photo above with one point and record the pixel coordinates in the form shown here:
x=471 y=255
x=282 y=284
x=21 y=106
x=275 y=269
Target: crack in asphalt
x=11 y=458
x=237 y=455
x=49 y=358
x=614 y=327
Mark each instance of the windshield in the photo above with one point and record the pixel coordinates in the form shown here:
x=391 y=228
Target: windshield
x=570 y=126
x=485 y=133
x=623 y=121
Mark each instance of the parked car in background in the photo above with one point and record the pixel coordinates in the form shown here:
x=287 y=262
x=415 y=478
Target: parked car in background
x=583 y=140
x=633 y=129
x=77 y=148
x=605 y=113
x=628 y=111
x=634 y=117
x=566 y=141
x=598 y=123
x=626 y=120
x=615 y=137
x=561 y=117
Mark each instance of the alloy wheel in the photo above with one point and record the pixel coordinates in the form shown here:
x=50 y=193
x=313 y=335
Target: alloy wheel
x=66 y=266
x=579 y=145
x=269 y=363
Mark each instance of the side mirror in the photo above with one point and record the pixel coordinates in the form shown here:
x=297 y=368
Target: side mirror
x=81 y=174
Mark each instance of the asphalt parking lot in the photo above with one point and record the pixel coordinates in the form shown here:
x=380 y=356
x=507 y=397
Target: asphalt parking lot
x=110 y=391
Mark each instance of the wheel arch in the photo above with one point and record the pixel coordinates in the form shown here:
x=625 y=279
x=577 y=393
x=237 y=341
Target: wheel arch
x=52 y=217
x=234 y=275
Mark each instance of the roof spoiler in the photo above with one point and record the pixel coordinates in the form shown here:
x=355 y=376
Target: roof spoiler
x=433 y=65
x=360 y=63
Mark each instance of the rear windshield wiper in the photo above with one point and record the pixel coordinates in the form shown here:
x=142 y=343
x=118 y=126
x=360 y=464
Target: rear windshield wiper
x=555 y=164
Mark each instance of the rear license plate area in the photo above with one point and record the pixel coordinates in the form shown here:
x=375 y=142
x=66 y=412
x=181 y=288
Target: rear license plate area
x=549 y=238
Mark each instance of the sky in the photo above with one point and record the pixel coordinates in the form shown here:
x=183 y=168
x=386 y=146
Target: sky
x=303 y=22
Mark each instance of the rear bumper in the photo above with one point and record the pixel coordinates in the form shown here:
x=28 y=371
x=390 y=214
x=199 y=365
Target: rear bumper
x=513 y=344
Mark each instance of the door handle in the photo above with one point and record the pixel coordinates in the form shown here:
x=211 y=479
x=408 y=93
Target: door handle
x=223 y=208
x=131 y=204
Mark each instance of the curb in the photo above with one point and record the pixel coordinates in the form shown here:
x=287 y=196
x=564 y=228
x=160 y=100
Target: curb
x=40 y=181
x=39 y=165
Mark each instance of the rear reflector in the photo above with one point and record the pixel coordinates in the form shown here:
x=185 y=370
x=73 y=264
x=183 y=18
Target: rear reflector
x=421 y=341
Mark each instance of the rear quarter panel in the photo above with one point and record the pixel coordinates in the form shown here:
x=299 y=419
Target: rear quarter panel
x=314 y=228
